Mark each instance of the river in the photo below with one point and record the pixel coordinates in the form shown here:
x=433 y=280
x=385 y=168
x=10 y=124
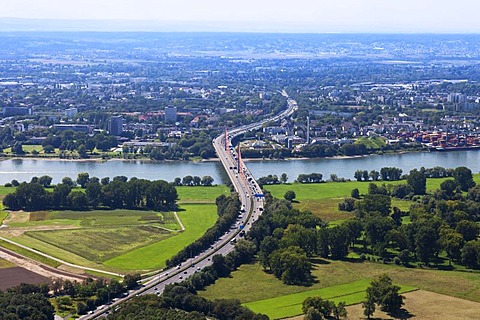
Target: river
x=25 y=169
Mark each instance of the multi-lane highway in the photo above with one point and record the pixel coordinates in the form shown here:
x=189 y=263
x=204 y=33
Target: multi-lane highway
x=252 y=203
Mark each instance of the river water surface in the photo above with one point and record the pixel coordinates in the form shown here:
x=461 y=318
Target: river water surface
x=25 y=169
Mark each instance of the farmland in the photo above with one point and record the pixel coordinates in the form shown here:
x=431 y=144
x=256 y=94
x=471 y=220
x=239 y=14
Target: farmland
x=117 y=240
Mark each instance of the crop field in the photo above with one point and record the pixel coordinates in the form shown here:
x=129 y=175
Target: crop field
x=121 y=240
x=291 y=305
x=197 y=218
x=100 y=244
x=94 y=218
x=117 y=240
x=250 y=283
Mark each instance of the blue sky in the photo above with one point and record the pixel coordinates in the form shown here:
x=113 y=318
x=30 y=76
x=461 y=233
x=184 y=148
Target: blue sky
x=281 y=15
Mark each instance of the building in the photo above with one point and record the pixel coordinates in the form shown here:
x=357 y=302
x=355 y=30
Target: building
x=73 y=127
x=170 y=114
x=115 y=125
x=70 y=112
x=16 y=111
x=456 y=98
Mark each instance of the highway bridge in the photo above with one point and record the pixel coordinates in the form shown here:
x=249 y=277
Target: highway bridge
x=252 y=202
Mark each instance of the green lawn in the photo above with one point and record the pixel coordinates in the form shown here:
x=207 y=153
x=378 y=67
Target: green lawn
x=291 y=305
x=250 y=283
x=201 y=194
x=196 y=218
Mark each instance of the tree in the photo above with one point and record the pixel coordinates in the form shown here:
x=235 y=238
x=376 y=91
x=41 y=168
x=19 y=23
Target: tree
x=18 y=148
x=77 y=200
x=206 y=181
x=69 y=182
x=45 y=181
x=82 y=151
x=187 y=180
x=313 y=314
x=324 y=307
x=468 y=229
x=355 y=193
x=451 y=242
x=417 y=181
x=93 y=191
x=471 y=254
x=291 y=265
x=131 y=280
x=290 y=195
x=375 y=175
x=283 y=178
x=463 y=177
x=383 y=292
x=82 y=179
x=48 y=149
x=426 y=243
x=369 y=306
x=358 y=175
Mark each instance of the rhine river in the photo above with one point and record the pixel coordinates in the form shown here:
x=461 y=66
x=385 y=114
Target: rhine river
x=25 y=169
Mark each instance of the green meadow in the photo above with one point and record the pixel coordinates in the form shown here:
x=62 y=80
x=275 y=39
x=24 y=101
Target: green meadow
x=291 y=304
x=336 y=280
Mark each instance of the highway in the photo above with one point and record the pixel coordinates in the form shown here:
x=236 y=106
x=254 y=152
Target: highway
x=252 y=202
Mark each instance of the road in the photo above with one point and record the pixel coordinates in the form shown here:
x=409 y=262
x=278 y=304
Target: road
x=252 y=202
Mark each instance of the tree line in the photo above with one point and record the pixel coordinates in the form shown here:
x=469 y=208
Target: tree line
x=228 y=209
x=118 y=193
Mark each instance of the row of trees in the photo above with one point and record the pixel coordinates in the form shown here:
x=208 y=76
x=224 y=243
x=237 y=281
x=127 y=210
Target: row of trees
x=228 y=209
x=119 y=193
x=386 y=174
x=205 y=181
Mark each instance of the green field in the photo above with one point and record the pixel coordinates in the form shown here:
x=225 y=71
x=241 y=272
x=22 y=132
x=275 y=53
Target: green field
x=250 y=283
x=196 y=218
x=200 y=194
x=117 y=240
x=101 y=244
x=291 y=305
x=98 y=218
x=322 y=198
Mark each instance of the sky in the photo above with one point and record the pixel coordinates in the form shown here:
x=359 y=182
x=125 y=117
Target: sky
x=404 y=16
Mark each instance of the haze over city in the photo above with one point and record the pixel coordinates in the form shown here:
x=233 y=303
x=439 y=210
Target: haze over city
x=357 y=16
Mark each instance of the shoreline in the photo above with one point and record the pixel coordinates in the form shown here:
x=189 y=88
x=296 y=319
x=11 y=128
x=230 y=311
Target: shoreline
x=146 y=160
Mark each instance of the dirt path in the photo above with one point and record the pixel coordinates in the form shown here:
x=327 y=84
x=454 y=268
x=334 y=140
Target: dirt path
x=179 y=221
x=60 y=261
x=37 y=267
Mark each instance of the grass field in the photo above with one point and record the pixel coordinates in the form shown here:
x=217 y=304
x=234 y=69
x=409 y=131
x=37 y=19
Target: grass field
x=291 y=305
x=250 y=283
x=322 y=198
x=196 y=218
x=200 y=194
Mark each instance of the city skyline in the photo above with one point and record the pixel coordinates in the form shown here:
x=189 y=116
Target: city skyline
x=348 y=16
